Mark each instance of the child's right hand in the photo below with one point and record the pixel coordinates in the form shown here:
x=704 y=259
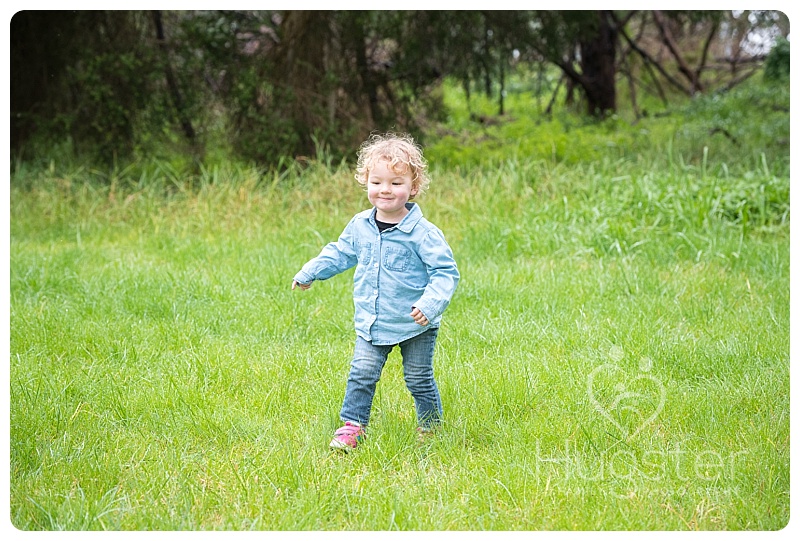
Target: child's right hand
x=295 y=283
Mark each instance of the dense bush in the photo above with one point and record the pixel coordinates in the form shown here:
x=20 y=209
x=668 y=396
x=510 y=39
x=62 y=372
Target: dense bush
x=777 y=65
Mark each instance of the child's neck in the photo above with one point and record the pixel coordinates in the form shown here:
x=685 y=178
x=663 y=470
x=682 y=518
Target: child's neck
x=394 y=218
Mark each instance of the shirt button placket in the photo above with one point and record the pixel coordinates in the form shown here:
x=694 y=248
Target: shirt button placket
x=376 y=266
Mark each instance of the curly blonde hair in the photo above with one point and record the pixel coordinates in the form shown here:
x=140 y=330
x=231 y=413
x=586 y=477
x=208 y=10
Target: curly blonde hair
x=402 y=153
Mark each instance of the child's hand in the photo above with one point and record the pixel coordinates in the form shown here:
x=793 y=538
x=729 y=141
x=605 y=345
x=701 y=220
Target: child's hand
x=295 y=283
x=419 y=317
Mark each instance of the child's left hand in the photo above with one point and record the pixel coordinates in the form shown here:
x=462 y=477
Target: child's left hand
x=419 y=317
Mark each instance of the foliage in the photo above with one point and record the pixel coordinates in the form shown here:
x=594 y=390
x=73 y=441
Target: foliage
x=268 y=86
x=776 y=67
x=107 y=113
x=751 y=119
x=733 y=131
x=95 y=92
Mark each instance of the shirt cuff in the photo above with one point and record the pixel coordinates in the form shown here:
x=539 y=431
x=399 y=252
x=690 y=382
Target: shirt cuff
x=303 y=277
x=426 y=310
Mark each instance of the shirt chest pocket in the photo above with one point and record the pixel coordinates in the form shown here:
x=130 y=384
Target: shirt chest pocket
x=396 y=258
x=364 y=252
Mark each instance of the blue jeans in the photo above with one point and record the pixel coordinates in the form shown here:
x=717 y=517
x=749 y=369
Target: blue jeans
x=366 y=368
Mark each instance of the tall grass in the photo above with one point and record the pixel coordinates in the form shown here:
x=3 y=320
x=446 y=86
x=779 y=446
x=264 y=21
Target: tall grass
x=616 y=355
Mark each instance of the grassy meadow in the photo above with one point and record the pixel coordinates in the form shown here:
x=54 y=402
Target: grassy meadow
x=616 y=355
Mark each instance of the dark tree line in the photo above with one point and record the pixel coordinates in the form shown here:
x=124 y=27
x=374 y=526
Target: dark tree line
x=267 y=86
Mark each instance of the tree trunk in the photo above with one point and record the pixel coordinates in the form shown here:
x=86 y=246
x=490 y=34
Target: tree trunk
x=502 y=93
x=172 y=83
x=356 y=25
x=299 y=72
x=598 y=66
x=552 y=102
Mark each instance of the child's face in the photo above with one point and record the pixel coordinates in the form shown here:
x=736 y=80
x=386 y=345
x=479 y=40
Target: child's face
x=389 y=191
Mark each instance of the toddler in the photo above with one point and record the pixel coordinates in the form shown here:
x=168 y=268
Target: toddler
x=404 y=279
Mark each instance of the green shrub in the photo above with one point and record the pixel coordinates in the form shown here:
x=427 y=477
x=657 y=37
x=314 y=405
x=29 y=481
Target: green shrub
x=777 y=65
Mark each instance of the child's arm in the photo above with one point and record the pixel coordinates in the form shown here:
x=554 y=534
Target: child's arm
x=334 y=258
x=443 y=277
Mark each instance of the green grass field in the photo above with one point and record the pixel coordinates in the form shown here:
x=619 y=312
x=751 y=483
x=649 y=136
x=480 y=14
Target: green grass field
x=616 y=356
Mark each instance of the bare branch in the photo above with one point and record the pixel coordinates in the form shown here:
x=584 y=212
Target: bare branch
x=739 y=79
x=704 y=56
x=669 y=41
x=650 y=61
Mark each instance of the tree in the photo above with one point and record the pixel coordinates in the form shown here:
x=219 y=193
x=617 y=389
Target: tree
x=583 y=44
x=38 y=64
x=84 y=75
x=597 y=78
x=696 y=51
x=272 y=85
x=174 y=90
x=318 y=86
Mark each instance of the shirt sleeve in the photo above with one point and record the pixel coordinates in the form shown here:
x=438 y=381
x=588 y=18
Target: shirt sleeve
x=335 y=257
x=443 y=275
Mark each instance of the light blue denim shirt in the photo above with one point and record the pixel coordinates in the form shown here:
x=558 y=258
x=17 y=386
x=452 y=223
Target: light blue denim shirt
x=407 y=265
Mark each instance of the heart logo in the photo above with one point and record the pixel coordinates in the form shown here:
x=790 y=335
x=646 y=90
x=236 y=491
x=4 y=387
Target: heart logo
x=628 y=403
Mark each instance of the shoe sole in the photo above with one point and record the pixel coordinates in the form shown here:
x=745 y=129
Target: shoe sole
x=339 y=446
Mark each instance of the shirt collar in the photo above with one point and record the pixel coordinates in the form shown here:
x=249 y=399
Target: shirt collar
x=409 y=220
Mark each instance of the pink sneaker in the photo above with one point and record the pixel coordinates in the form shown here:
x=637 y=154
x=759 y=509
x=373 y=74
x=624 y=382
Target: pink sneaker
x=348 y=436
